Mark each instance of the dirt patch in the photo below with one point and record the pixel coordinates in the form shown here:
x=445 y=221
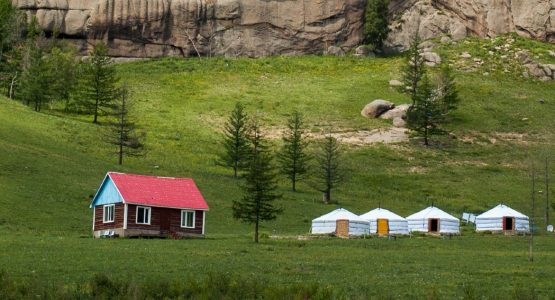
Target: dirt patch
x=519 y=138
x=417 y=170
x=495 y=137
x=389 y=135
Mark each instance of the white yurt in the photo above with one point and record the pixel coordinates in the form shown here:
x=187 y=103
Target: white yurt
x=433 y=220
x=327 y=223
x=385 y=222
x=502 y=218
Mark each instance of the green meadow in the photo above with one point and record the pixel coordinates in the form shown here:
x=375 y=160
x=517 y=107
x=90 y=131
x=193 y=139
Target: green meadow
x=51 y=164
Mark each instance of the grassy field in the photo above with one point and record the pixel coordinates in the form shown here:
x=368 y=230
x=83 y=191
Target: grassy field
x=51 y=165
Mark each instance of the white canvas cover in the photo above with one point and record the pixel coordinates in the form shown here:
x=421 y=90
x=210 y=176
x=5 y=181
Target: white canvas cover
x=419 y=221
x=326 y=224
x=397 y=224
x=492 y=220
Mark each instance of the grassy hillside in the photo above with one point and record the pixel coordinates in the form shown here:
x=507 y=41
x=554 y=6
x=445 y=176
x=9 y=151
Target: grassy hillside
x=51 y=165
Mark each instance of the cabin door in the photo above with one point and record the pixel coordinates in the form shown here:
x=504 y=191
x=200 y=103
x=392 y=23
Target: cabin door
x=165 y=219
x=383 y=227
x=508 y=223
x=433 y=225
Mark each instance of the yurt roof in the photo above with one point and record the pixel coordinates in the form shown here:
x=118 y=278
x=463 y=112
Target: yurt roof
x=431 y=212
x=339 y=214
x=500 y=211
x=381 y=213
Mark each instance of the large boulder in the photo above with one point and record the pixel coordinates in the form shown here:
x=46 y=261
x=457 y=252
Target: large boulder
x=375 y=108
x=364 y=51
x=399 y=122
x=335 y=51
x=431 y=58
x=535 y=70
x=399 y=111
x=395 y=83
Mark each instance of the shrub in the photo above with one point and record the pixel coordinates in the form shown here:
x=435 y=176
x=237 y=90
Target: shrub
x=375 y=22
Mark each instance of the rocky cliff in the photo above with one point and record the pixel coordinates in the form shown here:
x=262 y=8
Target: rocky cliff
x=153 y=28
x=460 y=18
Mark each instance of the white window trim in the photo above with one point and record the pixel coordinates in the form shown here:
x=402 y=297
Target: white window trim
x=104 y=213
x=125 y=216
x=194 y=218
x=137 y=214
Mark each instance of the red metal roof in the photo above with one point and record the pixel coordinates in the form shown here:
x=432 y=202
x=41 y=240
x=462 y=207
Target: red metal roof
x=159 y=191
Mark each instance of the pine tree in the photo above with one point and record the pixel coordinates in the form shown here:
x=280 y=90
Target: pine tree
x=99 y=83
x=123 y=133
x=329 y=173
x=428 y=112
x=260 y=185
x=376 y=23
x=62 y=64
x=293 y=158
x=10 y=22
x=447 y=90
x=235 y=143
x=35 y=77
x=414 y=68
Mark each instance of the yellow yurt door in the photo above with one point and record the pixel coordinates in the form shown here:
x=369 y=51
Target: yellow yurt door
x=383 y=227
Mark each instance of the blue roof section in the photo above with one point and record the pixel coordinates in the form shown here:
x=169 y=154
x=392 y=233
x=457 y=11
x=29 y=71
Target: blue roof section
x=107 y=193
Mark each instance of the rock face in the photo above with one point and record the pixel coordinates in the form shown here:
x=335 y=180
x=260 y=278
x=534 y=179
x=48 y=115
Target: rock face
x=153 y=28
x=460 y=18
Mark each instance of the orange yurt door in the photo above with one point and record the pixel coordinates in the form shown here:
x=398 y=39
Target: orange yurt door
x=383 y=227
x=342 y=228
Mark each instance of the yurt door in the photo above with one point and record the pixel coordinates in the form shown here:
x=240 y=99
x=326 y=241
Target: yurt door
x=342 y=228
x=433 y=225
x=383 y=227
x=508 y=223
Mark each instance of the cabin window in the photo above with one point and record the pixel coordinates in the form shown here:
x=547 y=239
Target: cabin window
x=188 y=218
x=143 y=215
x=108 y=213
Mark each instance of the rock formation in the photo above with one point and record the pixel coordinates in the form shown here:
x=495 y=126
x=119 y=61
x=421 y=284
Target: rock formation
x=153 y=28
x=375 y=108
x=460 y=18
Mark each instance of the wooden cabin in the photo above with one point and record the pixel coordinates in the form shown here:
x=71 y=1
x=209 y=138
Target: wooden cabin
x=130 y=205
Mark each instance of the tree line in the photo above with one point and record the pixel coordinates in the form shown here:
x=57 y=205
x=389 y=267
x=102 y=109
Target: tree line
x=246 y=153
x=44 y=72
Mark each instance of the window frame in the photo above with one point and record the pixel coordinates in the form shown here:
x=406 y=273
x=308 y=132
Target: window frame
x=185 y=211
x=137 y=215
x=108 y=207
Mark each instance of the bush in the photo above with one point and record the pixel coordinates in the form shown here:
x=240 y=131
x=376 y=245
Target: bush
x=375 y=22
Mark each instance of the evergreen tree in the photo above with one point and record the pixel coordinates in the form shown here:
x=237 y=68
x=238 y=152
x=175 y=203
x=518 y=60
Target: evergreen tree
x=260 y=185
x=99 y=83
x=293 y=158
x=428 y=113
x=10 y=22
x=62 y=64
x=376 y=23
x=236 y=142
x=123 y=132
x=329 y=173
x=35 y=77
x=413 y=69
x=447 y=90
